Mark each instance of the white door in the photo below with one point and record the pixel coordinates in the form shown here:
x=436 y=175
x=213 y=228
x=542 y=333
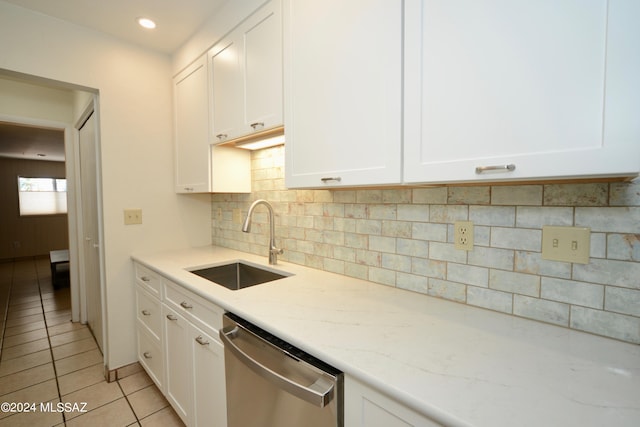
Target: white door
x=90 y=229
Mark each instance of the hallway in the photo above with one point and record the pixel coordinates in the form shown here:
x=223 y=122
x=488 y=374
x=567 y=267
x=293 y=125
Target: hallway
x=51 y=371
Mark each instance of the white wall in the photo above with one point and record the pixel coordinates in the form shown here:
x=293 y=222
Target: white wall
x=36 y=102
x=136 y=147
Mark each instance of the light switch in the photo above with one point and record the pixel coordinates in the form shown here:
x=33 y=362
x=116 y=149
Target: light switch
x=132 y=216
x=568 y=244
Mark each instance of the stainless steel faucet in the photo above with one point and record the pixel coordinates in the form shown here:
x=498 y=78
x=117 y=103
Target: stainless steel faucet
x=246 y=227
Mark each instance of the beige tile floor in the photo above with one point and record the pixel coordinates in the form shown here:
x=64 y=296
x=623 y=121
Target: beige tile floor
x=46 y=360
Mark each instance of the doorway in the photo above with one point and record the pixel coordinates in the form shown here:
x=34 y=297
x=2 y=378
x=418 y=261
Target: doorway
x=26 y=95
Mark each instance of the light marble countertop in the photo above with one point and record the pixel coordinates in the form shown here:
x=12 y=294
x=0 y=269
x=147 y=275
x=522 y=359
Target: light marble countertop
x=459 y=365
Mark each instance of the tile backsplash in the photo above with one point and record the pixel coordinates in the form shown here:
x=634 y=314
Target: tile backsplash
x=403 y=237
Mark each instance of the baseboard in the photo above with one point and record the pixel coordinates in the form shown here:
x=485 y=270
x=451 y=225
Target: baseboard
x=112 y=375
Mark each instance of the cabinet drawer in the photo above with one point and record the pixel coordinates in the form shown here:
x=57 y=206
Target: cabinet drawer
x=148 y=311
x=198 y=310
x=150 y=355
x=148 y=280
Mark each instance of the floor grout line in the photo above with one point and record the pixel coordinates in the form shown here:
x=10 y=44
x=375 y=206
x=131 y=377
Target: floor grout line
x=53 y=362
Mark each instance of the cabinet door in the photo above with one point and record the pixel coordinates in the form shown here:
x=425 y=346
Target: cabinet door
x=150 y=355
x=177 y=353
x=343 y=98
x=148 y=312
x=209 y=390
x=366 y=407
x=262 y=68
x=246 y=76
x=538 y=85
x=191 y=129
x=226 y=86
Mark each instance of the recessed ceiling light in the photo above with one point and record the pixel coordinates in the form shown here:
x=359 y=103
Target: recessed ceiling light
x=146 y=23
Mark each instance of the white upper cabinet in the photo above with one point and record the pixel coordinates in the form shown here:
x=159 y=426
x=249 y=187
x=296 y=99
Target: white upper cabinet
x=201 y=167
x=551 y=87
x=246 y=76
x=343 y=92
x=262 y=68
x=226 y=90
x=191 y=127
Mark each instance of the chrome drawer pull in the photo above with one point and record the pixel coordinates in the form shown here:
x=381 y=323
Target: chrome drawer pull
x=188 y=188
x=171 y=317
x=331 y=178
x=146 y=313
x=221 y=136
x=257 y=125
x=499 y=168
x=201 y=340
x=185 y=305
x=147 y=355
x=145 y=279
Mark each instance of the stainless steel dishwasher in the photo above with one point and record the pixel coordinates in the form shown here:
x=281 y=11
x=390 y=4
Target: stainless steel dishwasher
x=271 y=383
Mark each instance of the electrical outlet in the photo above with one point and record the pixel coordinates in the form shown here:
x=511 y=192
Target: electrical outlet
x=237 y=216
x=132 y=216
x=568 y=244
x=463 y=235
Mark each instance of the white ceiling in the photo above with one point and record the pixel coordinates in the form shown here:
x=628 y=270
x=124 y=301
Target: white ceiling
x=177 y=20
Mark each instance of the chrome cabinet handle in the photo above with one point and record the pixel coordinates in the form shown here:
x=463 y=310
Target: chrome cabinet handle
x=257 y=125
x=147 y=355
x=201 y=340
x=499 y=168
x=186 y=305
x=171 y=317
x=145 y=279
x=146 y=313
x=188 y=188
x=221 y=136
x=331 y=178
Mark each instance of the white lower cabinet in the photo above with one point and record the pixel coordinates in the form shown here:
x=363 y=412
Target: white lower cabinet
x=178 y=347
x=178 y=363
x=367 y=407
x=208 y=382
x=149 y=326
x=150 y=356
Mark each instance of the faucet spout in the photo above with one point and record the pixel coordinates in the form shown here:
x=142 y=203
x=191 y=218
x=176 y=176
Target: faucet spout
x=246 y=227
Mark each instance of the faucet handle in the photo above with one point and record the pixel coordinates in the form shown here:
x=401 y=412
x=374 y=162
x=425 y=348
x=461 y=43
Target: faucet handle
x=273 y=254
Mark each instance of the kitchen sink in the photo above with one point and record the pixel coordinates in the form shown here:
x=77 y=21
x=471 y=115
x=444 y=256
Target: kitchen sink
x=238 y=275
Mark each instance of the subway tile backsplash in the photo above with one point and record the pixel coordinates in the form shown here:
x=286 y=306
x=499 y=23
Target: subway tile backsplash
x=404 y=238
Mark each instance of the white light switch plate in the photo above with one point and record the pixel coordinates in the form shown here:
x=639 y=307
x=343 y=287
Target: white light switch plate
x=568 y=244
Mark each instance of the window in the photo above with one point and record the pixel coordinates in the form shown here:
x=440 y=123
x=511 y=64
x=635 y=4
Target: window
x=42 y=196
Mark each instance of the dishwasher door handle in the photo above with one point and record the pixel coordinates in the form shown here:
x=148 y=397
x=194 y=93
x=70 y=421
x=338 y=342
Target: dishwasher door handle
x=319 y=393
